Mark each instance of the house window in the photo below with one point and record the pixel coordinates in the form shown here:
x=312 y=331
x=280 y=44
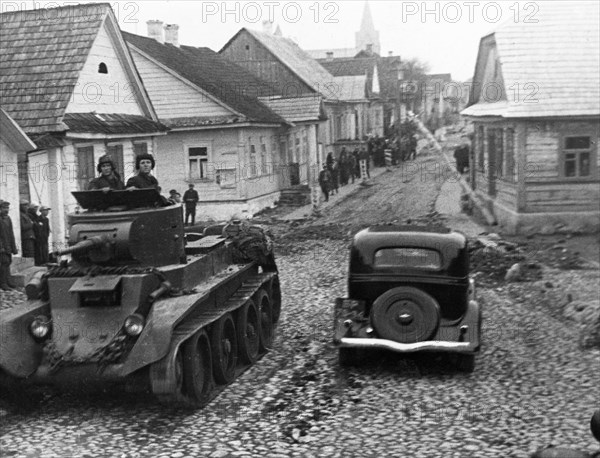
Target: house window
x=263 y=157
x=198 y=162
x=86 y=167
x=510 y=154
x=297 y=145
x=102 y=68
x=140 y=148
x=253 y=171
x=338 y=127
x=577 y=156
x=499 y=159
x=481 y=148
x=116 y=153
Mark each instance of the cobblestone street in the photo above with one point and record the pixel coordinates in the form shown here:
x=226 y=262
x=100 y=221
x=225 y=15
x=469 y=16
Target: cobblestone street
x=532 y=385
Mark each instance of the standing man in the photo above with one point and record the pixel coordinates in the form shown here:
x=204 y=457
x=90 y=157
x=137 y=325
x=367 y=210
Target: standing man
x=27 y=231
x=44 y=234
x=191 y=198
x=325 y=181
x=8 y=247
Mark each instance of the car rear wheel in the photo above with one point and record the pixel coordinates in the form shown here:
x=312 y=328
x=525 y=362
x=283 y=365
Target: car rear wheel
x=405 y=314
x=465 y=363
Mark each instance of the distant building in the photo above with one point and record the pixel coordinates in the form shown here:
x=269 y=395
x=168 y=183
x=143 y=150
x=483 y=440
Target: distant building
x=365 y=37
x=535 y=106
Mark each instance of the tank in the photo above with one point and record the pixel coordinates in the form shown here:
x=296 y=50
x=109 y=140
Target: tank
x=135 y=300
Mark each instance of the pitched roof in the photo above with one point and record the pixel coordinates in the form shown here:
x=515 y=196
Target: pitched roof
x=219 y=77
x=13 y=135
x=295 y=58
x=388 y=76
x=297 y=109
x=351 y=88
x=337 y=52
x=111 y=124
x=42 y=55
x=555 y=63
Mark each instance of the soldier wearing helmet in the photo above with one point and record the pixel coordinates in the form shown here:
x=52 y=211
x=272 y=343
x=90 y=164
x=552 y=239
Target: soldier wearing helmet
x=144 y=163
x=109 y=177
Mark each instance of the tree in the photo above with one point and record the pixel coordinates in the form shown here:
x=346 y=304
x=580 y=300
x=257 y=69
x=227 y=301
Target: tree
x=415 y=72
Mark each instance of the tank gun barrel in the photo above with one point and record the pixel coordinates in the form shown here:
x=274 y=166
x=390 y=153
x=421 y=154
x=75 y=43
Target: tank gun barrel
x=83 y=246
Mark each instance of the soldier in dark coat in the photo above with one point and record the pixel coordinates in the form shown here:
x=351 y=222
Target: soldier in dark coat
x=32 y=212
x=325 y=181
x=44 y=234
x=27 y=231
x=144 y=164
x=109 y=177
x=8 y=247
x=191 y=198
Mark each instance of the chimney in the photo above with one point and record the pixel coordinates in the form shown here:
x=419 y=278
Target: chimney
x=329 y=55
x=155 y=30
x=172 y=34
x=370 y=48
x=267 y=27
x=390 y=53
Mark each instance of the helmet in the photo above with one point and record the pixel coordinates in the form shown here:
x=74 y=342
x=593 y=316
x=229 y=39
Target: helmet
x=106 y=159
x=141 y=157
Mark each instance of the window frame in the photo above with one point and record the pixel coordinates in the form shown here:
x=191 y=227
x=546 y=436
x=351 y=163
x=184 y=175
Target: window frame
x=592 y=150
x=188 y=165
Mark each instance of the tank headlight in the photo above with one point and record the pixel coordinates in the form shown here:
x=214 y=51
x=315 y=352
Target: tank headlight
x=134 y=324
x=40 y=327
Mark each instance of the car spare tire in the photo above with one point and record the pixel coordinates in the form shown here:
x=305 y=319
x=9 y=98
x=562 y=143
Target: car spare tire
x=405 y=314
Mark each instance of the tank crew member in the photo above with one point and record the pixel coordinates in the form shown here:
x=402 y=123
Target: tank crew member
x=8 y=247
x=144 y=163
x=191 y=198
x=109 y=177
x=27 y=231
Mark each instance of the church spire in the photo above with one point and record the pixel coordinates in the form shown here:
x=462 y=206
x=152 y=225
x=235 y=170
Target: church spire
x=367 y=36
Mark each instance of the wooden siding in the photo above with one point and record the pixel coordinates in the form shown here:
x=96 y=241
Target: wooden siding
x=263 y=64
x=562 y=197
x=171 y=97
x=112 y=92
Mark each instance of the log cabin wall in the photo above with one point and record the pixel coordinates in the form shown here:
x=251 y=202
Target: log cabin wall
x=248 y=52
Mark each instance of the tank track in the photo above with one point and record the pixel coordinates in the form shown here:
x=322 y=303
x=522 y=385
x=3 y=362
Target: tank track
x=163 y=377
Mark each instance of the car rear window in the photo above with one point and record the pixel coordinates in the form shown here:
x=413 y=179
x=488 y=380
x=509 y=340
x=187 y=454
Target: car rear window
x=408 y=257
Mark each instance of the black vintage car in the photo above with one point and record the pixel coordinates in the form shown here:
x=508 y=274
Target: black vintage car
x=409 y=291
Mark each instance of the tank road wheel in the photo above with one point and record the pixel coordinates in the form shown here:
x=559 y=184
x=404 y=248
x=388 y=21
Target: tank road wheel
x=266 y=319
x=197 y=368
x=167 y=380
x=224 y=349
x=248 y=332
x=276 y=300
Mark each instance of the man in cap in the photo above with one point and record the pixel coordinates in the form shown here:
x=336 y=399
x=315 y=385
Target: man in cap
x=27 y=231
x=191 y=198
x=109 y=177
x=8 y=247
x=144 y=164
x=44 y=234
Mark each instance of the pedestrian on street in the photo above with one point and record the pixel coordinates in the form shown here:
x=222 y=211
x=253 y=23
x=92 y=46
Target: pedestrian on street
x=351 y=165
x=335 y=178
x=32 y=211
x=343 y=165
x=324 y=181
x=44 y=235
x=8 y=247
x=144 y=164
x=27 y=231
x=191 y=198
x=109 y=177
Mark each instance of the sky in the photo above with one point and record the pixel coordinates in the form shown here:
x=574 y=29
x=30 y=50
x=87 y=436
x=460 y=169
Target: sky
x=444 y=34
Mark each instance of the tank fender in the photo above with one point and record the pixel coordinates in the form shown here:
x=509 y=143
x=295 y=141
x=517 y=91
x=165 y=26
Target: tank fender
x=20 y=353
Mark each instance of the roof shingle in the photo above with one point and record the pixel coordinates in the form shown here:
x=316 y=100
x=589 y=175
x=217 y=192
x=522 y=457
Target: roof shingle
x=554 y=63
x=224 y=80
x=42 y=55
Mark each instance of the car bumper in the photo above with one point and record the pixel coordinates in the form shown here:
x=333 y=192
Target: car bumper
x=428 y=345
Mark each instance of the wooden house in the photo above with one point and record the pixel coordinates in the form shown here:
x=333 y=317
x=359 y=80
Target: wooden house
x=13 y=141
x=222 y=138
x=535 y=105
x=293 y=73
x=68 y=80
